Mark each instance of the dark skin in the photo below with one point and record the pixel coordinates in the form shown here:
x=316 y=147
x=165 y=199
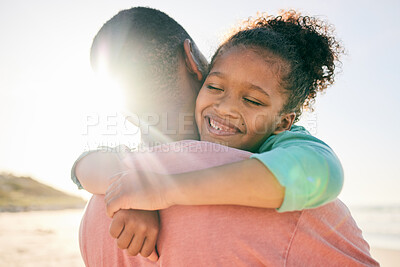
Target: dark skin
x=136 y=231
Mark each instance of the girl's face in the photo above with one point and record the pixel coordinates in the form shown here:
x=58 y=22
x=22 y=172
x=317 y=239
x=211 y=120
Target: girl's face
x=240 y=101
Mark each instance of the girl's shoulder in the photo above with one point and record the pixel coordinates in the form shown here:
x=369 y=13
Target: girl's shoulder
x=297 y=129
x=296 y=136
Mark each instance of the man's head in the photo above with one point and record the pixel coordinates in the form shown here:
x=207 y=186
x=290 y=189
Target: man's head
x=154 y=59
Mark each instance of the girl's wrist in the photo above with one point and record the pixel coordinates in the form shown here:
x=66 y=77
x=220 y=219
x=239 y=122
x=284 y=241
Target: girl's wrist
x=173 y=190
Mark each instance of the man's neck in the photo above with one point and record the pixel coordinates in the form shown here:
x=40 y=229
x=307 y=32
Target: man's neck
x=165 y=127
x=154 y=136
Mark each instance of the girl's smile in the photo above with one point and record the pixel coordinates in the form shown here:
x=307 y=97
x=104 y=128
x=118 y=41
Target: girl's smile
x=239 y=103
x=220 y=127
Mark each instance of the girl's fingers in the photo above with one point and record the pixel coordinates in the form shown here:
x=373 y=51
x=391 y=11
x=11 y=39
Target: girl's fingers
x=153 y=256
x=116 y=228
x=124 y=240
x=149 y=247
x=136 y=244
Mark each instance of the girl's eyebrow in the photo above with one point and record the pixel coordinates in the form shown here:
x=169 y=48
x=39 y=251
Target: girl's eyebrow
x=216 y=73
x=249 y=85
x=258 y=88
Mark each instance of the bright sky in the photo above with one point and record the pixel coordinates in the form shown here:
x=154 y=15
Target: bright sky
x=48 y=92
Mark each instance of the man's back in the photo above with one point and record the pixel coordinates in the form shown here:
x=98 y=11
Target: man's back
x=236 y=235
x=225 y=235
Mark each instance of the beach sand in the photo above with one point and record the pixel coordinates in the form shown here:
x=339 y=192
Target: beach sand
x=40 y=238
x=50 y=238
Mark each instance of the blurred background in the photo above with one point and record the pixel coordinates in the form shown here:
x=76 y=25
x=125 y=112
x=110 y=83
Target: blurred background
x=49 y=94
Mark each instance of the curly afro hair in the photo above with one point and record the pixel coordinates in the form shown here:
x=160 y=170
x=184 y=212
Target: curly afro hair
x=305 y=45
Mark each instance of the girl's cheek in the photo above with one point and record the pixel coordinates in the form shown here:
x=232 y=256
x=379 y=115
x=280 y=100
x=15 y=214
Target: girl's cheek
x=199 y=100
x=262 y=125
x=202 y=94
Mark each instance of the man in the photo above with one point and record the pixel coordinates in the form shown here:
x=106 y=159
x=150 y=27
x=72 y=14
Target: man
x=151 y=56
x=201 y=235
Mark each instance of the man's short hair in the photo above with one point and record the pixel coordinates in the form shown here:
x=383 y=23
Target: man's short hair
x=141 y=46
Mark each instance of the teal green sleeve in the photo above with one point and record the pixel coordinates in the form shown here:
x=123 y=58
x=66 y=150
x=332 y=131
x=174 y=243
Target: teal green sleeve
x=307 y=167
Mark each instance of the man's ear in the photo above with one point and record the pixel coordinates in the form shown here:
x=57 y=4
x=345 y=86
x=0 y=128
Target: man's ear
x=193 y=59
x=285 y=123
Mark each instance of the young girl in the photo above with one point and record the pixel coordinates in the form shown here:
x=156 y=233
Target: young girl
x=259 y=81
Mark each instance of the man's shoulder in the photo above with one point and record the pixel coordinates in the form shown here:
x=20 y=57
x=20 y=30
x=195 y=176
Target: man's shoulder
x=297 y=135
x=332 y=214
x=326 y=227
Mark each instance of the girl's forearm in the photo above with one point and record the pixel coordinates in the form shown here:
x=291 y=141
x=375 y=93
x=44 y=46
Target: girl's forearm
x=246 y=183
x=95 y=170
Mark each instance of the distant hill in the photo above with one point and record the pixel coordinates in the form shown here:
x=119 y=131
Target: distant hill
x=24 y=193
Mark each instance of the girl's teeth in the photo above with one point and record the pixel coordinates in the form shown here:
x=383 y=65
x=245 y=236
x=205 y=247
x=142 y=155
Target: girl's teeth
x=214 y=126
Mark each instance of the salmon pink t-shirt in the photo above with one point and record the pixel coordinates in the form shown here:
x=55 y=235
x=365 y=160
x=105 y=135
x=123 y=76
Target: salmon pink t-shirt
x=225 y=235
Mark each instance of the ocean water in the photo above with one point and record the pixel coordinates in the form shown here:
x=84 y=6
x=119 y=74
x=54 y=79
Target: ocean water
x=380 y=225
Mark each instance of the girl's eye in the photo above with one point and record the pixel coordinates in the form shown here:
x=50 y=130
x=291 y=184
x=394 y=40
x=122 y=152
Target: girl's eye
x=253 y=102
x=214 y=88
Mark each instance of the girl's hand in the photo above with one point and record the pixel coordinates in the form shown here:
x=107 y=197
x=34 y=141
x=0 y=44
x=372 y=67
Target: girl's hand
x=137 y=232
x=137 y=190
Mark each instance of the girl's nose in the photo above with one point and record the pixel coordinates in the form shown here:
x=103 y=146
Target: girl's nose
x=227 y=107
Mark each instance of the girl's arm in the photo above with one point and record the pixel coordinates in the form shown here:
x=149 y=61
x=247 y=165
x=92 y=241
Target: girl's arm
x=292 y=178
x=293 y=171
x=296 y=171
x=92 y=171
x=246 y=183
